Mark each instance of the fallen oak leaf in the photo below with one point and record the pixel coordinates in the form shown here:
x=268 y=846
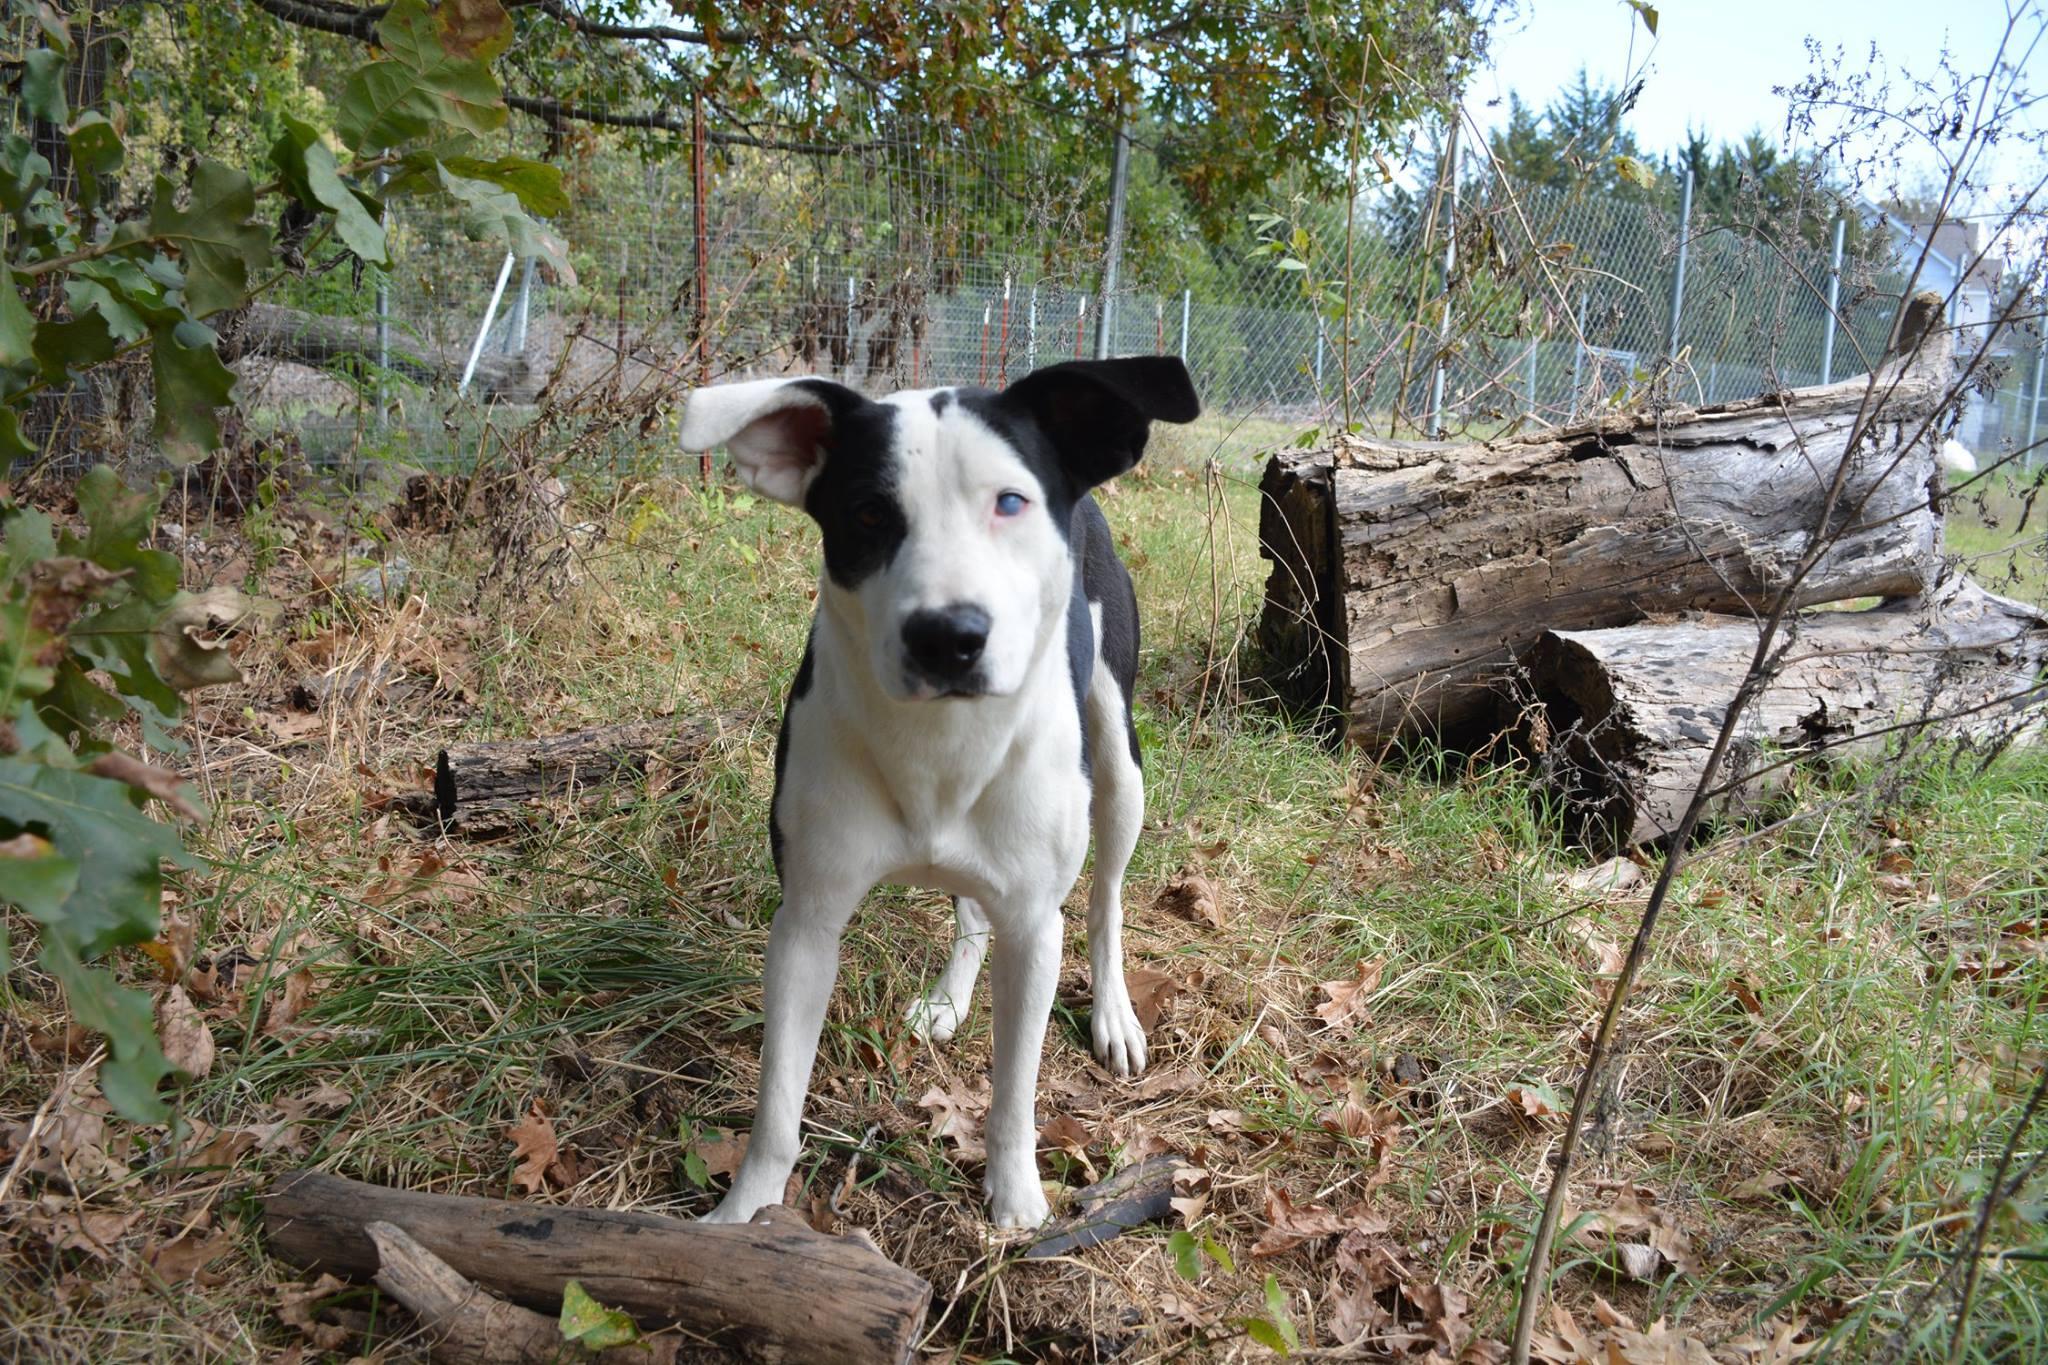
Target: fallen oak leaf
x=956 y=1117
x=1349 y=998
x=535 y=1150
x=1193 y=896
x=1151 y=991
x=187 y=1041
x=1290 y=1225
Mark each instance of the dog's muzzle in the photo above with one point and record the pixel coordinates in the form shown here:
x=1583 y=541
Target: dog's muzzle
x=944 y=647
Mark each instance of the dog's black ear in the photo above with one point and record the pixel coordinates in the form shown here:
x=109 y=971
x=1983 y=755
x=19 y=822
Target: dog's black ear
x=778 y=430
x=1097 y=413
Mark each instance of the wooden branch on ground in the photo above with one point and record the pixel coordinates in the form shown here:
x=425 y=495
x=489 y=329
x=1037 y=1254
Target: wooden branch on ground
x=773 y=1286
x=1626 y=716
x=467 y=1325
x=1406 y=577
x=490 y=788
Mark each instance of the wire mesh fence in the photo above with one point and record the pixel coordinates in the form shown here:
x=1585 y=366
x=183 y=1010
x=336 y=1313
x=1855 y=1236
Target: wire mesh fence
x=938 y=256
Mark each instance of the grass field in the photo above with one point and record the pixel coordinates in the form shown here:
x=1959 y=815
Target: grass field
x=1362 y=1054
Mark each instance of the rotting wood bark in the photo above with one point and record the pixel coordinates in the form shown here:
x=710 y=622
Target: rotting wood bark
x=774 y=1286
x=469 y=1325
x=1628 y=715
x=1406 y=577
x=494 y=787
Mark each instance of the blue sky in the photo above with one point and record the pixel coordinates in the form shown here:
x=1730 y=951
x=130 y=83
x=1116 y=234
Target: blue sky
x=1713 y=63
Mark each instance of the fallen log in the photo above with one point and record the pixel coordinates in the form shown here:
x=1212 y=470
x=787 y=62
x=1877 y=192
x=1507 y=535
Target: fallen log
x=492 y=787
x=1626 y=717
x=468 y=1325
x=773 y=1286
x=326 y=342
x=1407 y=576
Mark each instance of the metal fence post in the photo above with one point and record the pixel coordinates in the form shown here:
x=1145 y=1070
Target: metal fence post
x=476 y=348
x=1827 y=341
x=1578 y=357
x=1031 y=333
x=2034 y=409
x=1317 y=323
x=383 y=309
x=515 y=337
x=1119 y=181
x=848 y=368
x=1186 y=295
x=1443 y=341
x=1678 y=275
x=1532 y=376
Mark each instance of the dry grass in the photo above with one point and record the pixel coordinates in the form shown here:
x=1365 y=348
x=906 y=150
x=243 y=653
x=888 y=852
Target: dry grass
x=1830 y=1044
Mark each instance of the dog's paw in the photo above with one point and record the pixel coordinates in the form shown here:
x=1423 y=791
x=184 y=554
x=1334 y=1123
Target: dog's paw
x=1018 y=1203
x=1119 y=1037
x=731 y=1210
x=936 y=1016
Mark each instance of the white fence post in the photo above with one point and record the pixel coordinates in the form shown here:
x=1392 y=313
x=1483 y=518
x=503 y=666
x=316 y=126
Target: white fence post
x=1186 y=296
x=476 y=348
x=1827 y=341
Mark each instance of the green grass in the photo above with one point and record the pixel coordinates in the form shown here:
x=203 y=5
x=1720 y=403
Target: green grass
x=606 y=969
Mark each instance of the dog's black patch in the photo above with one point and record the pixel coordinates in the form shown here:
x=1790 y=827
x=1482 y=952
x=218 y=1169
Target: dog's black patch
x=1081 y=660
x=797 y=689
x=853 y=499
x=1108 y=585
x=942 y=400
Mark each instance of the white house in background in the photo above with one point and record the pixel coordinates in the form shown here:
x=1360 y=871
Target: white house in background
x=1955 y=263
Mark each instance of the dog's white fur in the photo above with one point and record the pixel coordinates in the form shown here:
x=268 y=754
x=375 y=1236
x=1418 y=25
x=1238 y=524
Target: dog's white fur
x=983 y=798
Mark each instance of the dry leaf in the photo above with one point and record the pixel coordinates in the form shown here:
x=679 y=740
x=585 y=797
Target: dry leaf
x=536 y=1150
x=1348 y=999
x=287 y=998
x=187 y=1041
x=69 y=1226
x=183 y=1258
x=1536 y=1101
x=721 y=1151
x=1193 y=896
x=165 y=785
x=1291 y=1225
x=1610 y=878
x=957 y=1116
x=1159 y=1084
x=1067 y=1134
x=1151 y=991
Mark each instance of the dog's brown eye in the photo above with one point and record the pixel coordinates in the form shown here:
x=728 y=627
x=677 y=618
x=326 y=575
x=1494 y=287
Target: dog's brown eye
x=869 y=517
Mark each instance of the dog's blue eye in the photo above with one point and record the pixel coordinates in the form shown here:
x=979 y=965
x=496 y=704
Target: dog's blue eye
x=1010 y=504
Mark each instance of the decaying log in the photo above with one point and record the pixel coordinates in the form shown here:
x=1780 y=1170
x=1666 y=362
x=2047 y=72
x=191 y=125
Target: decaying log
x=1627 y=716
x=1405 y=576
x=322 y=341
x=489 y=788
x=468 y=1325
x=773 y=1286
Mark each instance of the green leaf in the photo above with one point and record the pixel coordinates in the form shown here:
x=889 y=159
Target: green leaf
x=1283 y=1321
x=216 y=236
x=92 y=821
x=587 y=1323
x=17 y=336
x=538 y=185
x=23 y=171
x=96 y=151
x=473 y=28
x=1266 y=1334
x=308 y=169
x=118 y=519
x=1220 y=1254
x=1186 y=1253
x=1648 y=12
x=491 y=213
x=21 y=643
x=66 y=349
x=138 y=1065
x=420 y=84
x=42 y=84
x=191 y=385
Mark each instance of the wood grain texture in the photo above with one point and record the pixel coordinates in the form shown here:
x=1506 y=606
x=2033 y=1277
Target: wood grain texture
x=1630 y=714
x=774 y=1286
x=1421 y=571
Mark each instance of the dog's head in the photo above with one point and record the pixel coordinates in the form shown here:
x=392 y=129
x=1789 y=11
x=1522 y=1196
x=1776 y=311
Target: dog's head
x=946 y=512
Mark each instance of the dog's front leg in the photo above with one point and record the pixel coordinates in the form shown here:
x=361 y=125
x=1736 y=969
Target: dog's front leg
x=796 y=984
x=1027 y=968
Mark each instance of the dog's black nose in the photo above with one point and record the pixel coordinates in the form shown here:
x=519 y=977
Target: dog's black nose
x=945 y=642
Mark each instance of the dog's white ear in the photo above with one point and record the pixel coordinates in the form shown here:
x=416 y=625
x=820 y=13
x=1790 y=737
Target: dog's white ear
x=1097 y=413
x=776 y=429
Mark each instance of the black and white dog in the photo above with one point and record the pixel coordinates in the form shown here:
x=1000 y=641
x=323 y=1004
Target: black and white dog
x=964 y=701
